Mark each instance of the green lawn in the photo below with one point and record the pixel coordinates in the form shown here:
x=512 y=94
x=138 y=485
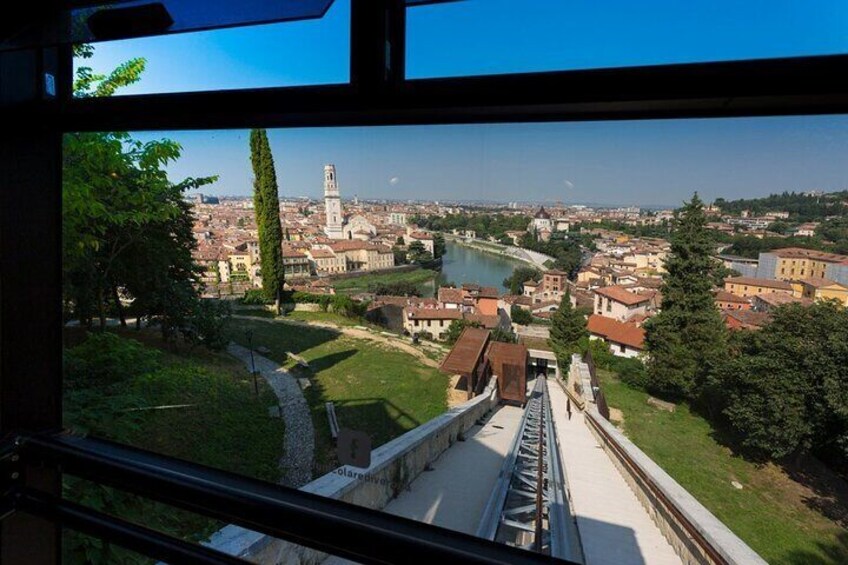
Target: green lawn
x=224 y=425
x=772 y=513
x=324 y=317
x=376 y=388
x=360 y=284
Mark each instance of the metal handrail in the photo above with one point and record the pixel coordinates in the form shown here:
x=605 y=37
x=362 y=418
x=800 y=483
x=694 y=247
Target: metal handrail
x=332 y=526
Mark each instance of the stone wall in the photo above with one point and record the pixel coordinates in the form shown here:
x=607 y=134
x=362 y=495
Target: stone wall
x=394 y=466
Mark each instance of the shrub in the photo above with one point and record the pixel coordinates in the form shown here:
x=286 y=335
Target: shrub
x=208 y=324
x=104 y=359
x=632 y=372
x=255 y=296
x=520 y=316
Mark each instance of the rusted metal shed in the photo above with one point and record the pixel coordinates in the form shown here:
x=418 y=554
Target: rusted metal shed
x=509 y=363
x=467 y=359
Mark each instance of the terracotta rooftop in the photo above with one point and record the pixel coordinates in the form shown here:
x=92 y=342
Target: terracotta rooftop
x=432 y=314
x=466 y=352
x=450 y=295
x=775 y=299
x=745 y=319
x=618 y=332
x=819 y=282
x=751 y=281
x=724 y=296
x=801 y=253
x=487 y=321
x=619 y=294
x=488 y=292
x=322 y=253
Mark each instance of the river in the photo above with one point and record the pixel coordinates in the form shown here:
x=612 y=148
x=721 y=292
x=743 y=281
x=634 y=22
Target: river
x=461 y=264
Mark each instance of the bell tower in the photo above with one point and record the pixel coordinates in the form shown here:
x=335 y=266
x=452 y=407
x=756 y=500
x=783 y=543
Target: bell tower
x=332 y=204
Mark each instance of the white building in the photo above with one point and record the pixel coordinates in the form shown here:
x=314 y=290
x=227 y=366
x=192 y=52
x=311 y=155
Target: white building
x=332 y=204
x=542 y=221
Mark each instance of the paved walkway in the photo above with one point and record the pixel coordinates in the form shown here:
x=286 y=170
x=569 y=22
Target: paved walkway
x=454 y=493
x=299 y=448
x=614 y=526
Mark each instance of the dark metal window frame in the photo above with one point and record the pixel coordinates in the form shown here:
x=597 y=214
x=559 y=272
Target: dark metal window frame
x=378 y=94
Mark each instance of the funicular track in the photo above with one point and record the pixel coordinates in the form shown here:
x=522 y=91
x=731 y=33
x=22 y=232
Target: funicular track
x=529 y=506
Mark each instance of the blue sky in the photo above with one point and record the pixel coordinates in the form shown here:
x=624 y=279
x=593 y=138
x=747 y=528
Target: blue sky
x=657 y=162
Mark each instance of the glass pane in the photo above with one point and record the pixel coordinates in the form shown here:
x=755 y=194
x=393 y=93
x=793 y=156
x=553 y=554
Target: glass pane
x=485 y=37
x=300 y=53
x=433 y=277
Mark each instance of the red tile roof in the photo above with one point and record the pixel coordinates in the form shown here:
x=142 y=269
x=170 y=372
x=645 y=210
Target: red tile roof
x=450 y=295
x=432 y=314
x=618 y=332
x=751 y=281
x=619 y=294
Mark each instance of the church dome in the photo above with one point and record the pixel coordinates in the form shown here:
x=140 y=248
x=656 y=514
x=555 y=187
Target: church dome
x=542 y=214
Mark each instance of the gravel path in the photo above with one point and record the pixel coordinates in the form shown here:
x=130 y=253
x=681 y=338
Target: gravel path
x=299 y=448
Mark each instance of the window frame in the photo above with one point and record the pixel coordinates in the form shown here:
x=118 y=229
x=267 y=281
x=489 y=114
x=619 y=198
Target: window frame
x=377 y=95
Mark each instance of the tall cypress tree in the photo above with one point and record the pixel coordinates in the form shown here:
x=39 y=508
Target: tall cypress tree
x=568 y=327
x=686 y=341
x=266 y=203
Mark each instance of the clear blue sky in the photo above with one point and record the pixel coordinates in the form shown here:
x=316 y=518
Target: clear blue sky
x=658 y=162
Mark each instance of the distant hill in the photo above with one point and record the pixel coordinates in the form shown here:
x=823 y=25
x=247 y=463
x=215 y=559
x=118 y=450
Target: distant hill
x=801 y=207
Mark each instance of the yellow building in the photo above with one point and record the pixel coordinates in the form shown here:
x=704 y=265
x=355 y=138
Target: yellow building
x=750 y=286
x=793 y=263
x=818 y=288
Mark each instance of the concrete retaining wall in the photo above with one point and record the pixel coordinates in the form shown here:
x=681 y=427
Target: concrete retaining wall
x=394 y=466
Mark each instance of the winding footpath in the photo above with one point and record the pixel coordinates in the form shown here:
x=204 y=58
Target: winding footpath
x=299 y=439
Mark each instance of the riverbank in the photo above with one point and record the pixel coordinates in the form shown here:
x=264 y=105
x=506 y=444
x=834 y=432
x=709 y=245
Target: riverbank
x=532 y=258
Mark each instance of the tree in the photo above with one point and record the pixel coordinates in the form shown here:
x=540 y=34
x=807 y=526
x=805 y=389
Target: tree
x=686 y=341
x=500 y=334
x=787 y=392
x=126 y=227
x=418 y=254
x=455 y=330
x=266 y=203
x=439 y=245
x=568 y=327
x=520 y=316
x=519 y=276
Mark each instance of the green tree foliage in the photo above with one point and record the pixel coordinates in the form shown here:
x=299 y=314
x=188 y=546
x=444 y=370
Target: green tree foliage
x=438 y=245
x=787 y=389
x=687 y=340
x=720 y=272
x=418 y=254
x=801 y=207
x=455 y=330
x=520 y=316
x=564 y=248
x=751 y=247
x=266 y=204
x=398 y=288
x=568 y=328
x=484 y=224
x=500 y=334
x=126 y=227
x=519 y=276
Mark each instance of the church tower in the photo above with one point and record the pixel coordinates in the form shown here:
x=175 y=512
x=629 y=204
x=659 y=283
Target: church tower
x=332 y=204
